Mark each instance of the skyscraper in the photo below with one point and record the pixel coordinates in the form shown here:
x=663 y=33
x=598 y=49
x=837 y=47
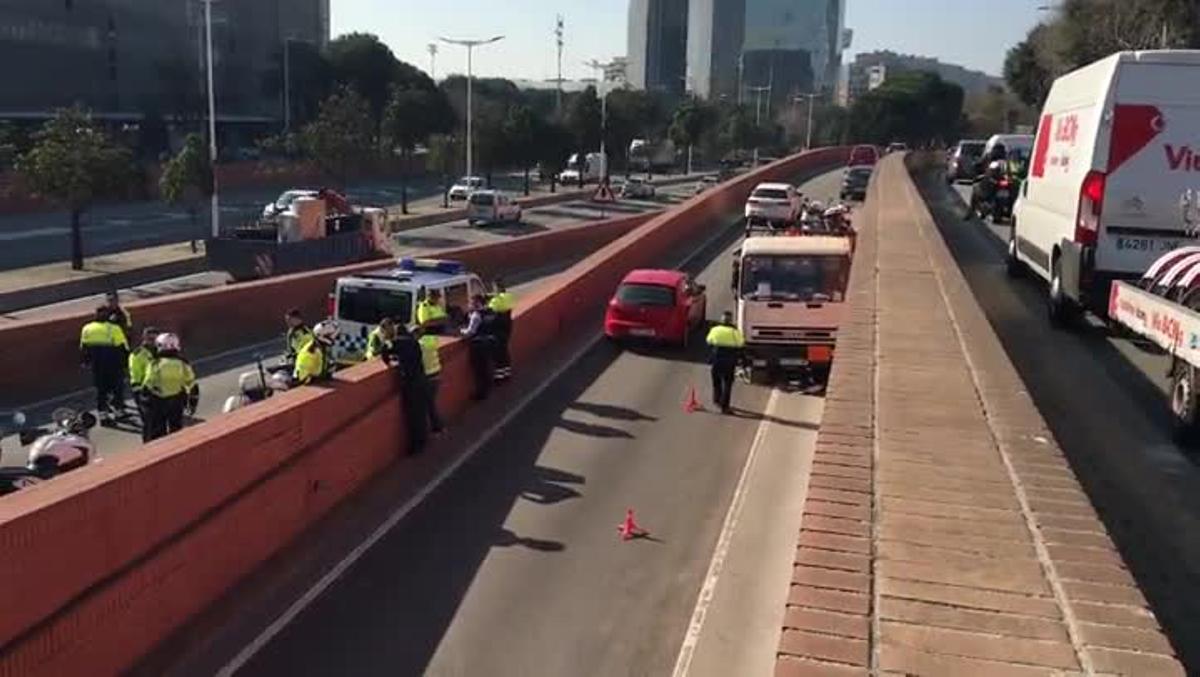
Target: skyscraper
x=657 y=44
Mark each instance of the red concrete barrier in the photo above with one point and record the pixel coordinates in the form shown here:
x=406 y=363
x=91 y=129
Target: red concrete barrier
x=101 y=564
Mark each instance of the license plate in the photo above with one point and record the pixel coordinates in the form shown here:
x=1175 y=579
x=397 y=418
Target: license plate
x=792 y=362
x=641 y=332
x=1146 y=244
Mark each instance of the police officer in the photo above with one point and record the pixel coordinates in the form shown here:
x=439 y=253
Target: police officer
x=139 y=365
x=102 y=347
x=727 y=344
x=482 y=344
x=431 y=312
x=298 y=334
x=379 y=341
x=168 y=385
x=502 y=303
x=431 y=360
x=407 y=358
x=112 y=301
x=314 y=361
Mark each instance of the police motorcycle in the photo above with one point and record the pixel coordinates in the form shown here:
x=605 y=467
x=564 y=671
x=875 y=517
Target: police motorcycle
x=58 y=447
x=258 y=385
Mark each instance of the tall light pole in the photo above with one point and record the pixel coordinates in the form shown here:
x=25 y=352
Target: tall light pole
x=433 y=50
x=603 y=91
x=287 y=83
x=808 y=134
x=212 y=118
x=758 y=92
x=470 y=45
x=558 y=39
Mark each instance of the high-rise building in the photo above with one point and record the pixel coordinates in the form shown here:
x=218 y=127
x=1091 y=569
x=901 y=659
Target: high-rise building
x=125 y=59
x=787 y=46
x=657 y=44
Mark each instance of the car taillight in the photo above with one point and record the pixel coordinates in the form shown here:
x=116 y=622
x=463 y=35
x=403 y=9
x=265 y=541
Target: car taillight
x=330 y=305
x=1003 y=183
x=1091 y=204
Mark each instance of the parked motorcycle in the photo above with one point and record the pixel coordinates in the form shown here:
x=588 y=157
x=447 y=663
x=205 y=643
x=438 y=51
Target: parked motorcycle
x=258 y=385
x=61 y=446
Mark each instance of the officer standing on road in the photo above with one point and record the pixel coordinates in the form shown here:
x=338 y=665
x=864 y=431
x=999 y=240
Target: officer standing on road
x=379 y=341
x=502 y=303
x=431 y=312
x=431 y=360
x=314 y=361
x=727 y=344
x=480 y=334
x=406 y=355
x=139 y=365
x=102 y=347
x=168 y=385
x=298 y=335
x=113 y=302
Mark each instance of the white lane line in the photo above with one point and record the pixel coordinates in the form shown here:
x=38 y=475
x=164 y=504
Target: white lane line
x=683 y=662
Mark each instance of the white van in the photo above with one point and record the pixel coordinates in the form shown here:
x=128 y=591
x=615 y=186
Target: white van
x=1113 y=157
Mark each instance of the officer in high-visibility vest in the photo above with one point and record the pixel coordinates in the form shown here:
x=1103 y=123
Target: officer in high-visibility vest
x=103 y=347
x=168 y=384
x=298 y=334
x=379 y=341
x=431 y=312
x=314 y=362
x=727 y=345
x=139 y=365
x=113 y=301
x=431 y=360
x=502 y=304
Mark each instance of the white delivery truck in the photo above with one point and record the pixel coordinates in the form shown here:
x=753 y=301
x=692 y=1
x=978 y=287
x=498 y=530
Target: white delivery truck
x=1112 y=157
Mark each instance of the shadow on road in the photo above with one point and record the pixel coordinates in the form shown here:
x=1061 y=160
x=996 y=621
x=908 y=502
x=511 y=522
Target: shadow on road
x=593 y=429
x=508 y=539
x=610 y=411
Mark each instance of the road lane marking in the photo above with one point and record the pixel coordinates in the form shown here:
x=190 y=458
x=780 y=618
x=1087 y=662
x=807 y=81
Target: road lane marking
x=683 y=662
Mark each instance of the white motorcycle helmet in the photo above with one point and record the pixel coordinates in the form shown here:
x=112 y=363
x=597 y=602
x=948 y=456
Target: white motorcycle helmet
x=167 y=342
x=326 y=331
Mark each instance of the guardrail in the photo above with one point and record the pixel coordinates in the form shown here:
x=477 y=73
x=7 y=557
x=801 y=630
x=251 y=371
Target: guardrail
x=102 y=564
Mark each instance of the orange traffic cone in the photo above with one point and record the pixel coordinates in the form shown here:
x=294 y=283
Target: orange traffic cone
x=691 y=405
x=629 y=528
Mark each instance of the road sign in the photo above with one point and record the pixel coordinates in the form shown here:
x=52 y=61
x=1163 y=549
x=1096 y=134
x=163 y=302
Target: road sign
x=603 y=194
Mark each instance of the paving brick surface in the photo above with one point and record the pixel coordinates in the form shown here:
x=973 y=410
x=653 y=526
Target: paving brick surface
x=944 y=533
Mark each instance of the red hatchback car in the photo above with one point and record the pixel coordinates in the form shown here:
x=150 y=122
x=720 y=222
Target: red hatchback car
x=659 y=305
x=863 y=155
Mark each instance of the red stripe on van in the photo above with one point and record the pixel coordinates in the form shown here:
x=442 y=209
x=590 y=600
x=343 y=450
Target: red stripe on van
x=1134 y=127
x=1043 y=146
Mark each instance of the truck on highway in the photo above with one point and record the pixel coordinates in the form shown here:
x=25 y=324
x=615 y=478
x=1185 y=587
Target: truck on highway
x=791 y=297
x=651 y=156
x=584 y=167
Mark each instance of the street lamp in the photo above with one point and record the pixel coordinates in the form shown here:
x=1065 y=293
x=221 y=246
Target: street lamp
x=808 y=134
x=470 y=45
x=212 y=118
x=603 y=91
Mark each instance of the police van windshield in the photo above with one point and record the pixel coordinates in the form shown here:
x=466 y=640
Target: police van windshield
x=367 y=305
x=794 y=277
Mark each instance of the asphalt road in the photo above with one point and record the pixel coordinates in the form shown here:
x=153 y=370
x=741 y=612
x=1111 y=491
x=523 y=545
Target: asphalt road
x=436 y=236
x=513 y=565
x=1105 y=399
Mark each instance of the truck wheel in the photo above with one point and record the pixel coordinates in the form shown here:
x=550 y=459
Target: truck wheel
x=1061 y=309
x=1012 y=264
x=760 y=376
x=1184 y=406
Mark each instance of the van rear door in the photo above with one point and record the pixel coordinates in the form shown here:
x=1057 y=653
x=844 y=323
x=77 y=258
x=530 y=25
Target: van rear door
x=1153 y=156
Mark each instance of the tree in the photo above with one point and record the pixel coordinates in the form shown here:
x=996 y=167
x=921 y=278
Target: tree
x=342 y=136
x=311 y=80
x=444 y=152
x=1025 y=71
x=74 y=163
x=554 y=144
x=996 y=111
x=361 y=62
x=411 y=115
x=632 y=114
x=692 y=119
x=583 y=118
x=520 y=133
x=915 y=107
x=187 y=178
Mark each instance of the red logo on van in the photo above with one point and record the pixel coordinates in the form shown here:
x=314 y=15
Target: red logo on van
x=1134 y=127
x=1182 y=158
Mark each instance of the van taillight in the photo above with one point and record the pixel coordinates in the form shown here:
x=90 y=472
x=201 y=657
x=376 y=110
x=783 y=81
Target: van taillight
x=1091 y=204
x=330 y=305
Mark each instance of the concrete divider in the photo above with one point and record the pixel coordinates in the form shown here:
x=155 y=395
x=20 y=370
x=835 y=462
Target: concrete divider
x=102 y=564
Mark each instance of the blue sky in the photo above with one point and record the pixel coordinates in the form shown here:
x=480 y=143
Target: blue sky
x=972 y=33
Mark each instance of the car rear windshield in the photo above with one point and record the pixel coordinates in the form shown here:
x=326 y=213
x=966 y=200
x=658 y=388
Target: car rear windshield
x=367 y=305
x=770 y=194
x=970 y=149
x=860 y=173
x=483 y=199
x=645 y=295
x=794 y=277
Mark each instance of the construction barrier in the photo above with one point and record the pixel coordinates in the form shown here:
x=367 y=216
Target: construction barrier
x=100 y=565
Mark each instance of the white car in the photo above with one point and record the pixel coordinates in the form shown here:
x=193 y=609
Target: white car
x=463 y=188
x=485 y=207
x=704 y=184
x=773 y=204
x=637 y=188
x=283 y=203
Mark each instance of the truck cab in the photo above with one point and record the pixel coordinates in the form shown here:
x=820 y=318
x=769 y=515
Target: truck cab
x=791 y=299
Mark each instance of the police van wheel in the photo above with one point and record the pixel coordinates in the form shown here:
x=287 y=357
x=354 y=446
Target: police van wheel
x=1184 y=405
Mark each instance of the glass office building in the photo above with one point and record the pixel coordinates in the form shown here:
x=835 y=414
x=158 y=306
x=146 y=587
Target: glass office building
x=125 y=59
x=657 y=36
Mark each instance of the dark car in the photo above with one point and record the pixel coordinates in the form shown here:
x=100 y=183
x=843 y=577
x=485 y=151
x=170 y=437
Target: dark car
x=855 y=181
x=963 y=161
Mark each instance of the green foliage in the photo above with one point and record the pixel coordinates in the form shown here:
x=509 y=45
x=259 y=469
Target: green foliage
x=996 y=111
x=74 y=163
x=187 y=176
x=520 y=131
x=912 y=107
x=633 y=114
x=582 y=119
x=361 y=62
x=412 y=114
x=342 y=136
x=1026 y=71
x=691 y=120
x=445 y=151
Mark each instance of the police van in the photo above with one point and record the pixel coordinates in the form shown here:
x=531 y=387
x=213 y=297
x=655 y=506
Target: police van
x=360 y=301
